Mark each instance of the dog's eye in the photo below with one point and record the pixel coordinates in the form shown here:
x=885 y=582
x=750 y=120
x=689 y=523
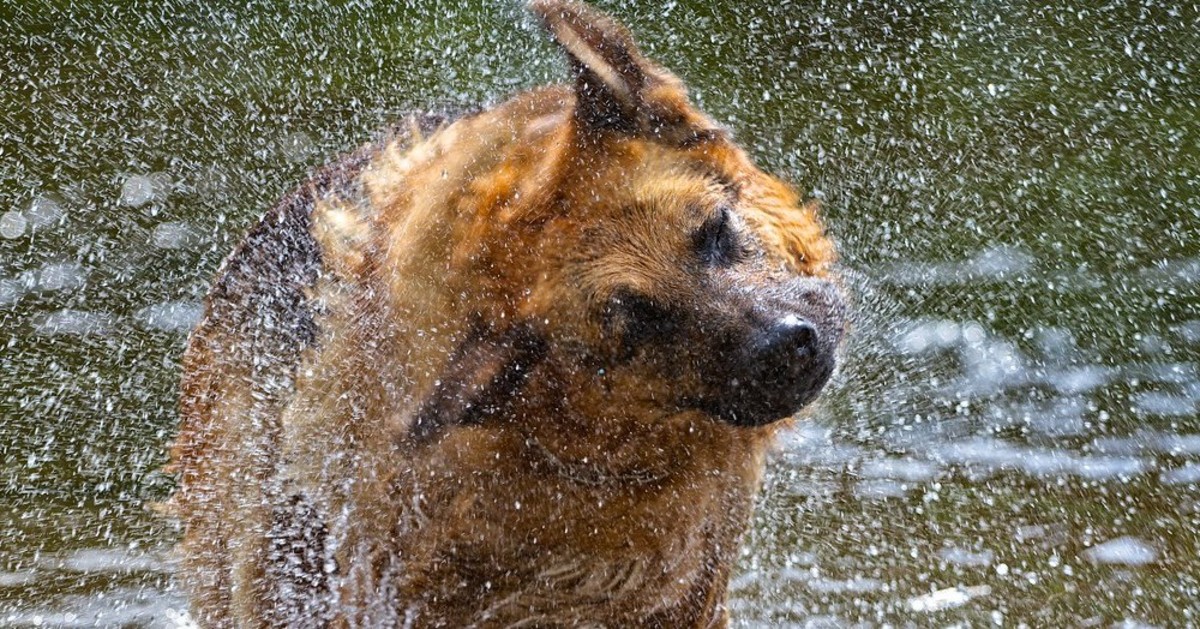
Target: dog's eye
x=715 y=242
x=637 y=319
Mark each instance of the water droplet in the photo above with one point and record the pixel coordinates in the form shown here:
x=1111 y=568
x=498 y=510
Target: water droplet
x=137 y=191
x=12 y=224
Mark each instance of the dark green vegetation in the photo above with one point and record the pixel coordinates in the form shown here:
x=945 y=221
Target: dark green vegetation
x=1016 y=190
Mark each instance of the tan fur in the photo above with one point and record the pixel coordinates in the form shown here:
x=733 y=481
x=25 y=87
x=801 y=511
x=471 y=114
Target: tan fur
x=585 y=497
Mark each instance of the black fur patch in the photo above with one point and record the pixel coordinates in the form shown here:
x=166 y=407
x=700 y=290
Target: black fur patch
x=483 y=375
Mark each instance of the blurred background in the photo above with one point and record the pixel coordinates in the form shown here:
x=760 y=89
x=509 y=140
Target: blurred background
x=1015 y=188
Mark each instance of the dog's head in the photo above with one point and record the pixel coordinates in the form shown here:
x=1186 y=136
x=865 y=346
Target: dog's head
x=609 y=234
x=673 y=270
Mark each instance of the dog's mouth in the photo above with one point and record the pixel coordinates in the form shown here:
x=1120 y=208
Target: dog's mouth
x=772 y=392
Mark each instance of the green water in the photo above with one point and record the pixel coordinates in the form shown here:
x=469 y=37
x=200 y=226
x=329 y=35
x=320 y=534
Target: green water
x=1015 y=190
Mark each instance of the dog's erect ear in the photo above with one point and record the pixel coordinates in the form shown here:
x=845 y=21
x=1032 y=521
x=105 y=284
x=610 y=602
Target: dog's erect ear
x=616 y=88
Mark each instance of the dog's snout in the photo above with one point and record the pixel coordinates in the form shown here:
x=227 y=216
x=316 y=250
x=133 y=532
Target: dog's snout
x=787 y=356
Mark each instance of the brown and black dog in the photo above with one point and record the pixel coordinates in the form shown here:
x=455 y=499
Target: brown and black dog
x=519 y=369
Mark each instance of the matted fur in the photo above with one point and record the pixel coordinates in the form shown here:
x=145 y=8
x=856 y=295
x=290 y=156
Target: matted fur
x=425 y=390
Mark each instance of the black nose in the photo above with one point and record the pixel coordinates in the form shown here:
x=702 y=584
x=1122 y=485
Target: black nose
x=790 y=339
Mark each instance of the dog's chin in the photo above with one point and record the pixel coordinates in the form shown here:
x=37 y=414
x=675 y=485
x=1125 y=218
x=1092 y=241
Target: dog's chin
x=747 y=403
x=753 y=415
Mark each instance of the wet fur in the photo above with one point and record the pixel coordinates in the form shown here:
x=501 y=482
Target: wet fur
x=417 y=395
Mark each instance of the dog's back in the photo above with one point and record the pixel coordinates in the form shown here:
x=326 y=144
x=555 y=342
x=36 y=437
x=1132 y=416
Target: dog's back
x=240 y=369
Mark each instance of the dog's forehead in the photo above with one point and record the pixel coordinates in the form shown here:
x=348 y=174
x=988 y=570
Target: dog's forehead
x=789 y=228
x=718 y=164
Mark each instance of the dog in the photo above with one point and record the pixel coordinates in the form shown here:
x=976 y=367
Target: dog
x=516 y=369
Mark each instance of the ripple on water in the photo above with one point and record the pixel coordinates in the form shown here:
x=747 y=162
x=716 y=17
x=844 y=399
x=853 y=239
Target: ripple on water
x=856 y=585
x=1179 y=444
x=1047 y=535
x=118 y=607
x=1149 y=442
x=993 y=264
x=1188 y=474
x=12 y=224
x=68 y=322
x=947 y=598
x=965 y=557
x=1189 y=332
x=1139 y=443
x=44 y=211
x=991 y=365
x=11 y=291
x=880 y=489
x=1173 y=273
x=1106 y=468
x=138 y=190
x=1081 y=379
x=17 y=579
x=173 y=235
x=107 y=561
x=988 y=455
x=929 y=335
x=1059 y=417
x=906 y=469
x=1164 y=404
x=1167 y=373
x=297 y=147
x=1125 y=551
x=813 y=446
x=170 y=316
x=55 y=276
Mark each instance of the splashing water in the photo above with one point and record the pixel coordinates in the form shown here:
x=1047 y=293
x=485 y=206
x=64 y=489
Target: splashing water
x=1013 y=436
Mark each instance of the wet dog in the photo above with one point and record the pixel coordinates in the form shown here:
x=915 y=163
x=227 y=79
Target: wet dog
x=520 y=368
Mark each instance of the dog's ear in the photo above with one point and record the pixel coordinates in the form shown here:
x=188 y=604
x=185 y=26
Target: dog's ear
x=482 y=376
x=616 y=88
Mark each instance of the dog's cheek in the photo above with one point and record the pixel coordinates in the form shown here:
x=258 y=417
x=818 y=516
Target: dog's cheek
x=633 y=322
